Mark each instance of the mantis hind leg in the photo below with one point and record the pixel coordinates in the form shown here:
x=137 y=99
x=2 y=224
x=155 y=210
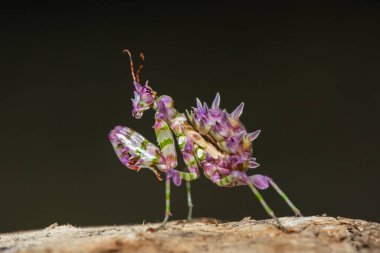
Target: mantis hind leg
x=265 y=205
x=296 y=211
x=263 y=182
x=240 y=178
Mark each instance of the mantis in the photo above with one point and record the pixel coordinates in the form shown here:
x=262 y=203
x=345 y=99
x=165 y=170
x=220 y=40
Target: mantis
x=209 y=138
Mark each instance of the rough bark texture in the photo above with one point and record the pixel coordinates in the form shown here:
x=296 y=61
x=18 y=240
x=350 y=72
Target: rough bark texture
x=305 y=234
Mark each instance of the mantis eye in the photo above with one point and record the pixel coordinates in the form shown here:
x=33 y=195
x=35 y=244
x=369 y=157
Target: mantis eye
x=147 y=90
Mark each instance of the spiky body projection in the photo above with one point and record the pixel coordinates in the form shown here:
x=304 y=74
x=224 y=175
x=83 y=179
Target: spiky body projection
x=227 y=132
x=209 y=138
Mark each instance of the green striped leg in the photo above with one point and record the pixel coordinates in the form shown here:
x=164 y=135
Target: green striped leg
x=264 y=204
x=187 y=149
x=225 y=181
x=285 y=197
x=188 y=176
x=166 y=142
x=228 y=180
x=167 y=203
x=189 y=201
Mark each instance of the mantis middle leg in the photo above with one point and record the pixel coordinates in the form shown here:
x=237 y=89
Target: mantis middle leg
x=187 y=149
x=165 y=140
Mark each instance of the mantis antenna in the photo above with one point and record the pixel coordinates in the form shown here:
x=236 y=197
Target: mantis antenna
x=131 y=62
x=142 y=57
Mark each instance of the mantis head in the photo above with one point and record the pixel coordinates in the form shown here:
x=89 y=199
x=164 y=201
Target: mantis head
x=144 y=94
x=143 y=100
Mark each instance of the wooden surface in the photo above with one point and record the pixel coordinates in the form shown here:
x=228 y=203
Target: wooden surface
x=305 y=234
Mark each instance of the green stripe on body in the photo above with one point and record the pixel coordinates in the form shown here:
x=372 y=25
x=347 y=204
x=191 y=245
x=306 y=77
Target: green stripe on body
x=165 y=127
x=225 y=181
x=187 y=176
x=139 y=153
x=144 y=144
x=156 y=158
x=193 y=162
x=165 y=143
x=181 y=139
x=200 y=154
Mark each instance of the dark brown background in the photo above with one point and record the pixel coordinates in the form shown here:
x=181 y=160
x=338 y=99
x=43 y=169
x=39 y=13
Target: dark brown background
x=309 y=75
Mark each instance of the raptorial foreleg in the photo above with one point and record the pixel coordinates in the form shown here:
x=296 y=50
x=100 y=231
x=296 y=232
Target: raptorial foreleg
x=134 y=151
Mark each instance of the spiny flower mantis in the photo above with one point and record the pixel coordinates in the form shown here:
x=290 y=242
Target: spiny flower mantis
x=209 y=138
